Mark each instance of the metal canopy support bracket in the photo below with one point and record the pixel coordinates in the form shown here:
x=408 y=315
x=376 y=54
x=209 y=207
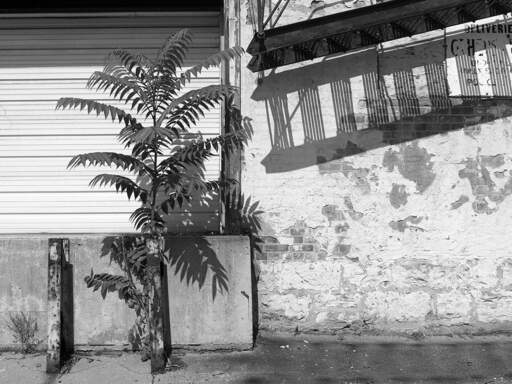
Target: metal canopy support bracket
x=363 y=26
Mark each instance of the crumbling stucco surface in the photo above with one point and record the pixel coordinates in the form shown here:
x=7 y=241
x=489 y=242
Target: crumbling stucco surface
x=398 y=216
x=305 y=9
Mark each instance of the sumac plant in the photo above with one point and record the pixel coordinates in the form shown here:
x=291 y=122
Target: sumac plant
x=163 y=161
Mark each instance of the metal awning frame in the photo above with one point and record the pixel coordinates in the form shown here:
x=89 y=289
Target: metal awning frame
x=360 y=27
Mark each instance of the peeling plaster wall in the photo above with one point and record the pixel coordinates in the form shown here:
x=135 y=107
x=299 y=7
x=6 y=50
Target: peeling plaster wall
x=308 y=9
x=387 y=205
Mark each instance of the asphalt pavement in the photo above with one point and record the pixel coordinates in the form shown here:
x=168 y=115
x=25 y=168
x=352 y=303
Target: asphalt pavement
x=289 y=359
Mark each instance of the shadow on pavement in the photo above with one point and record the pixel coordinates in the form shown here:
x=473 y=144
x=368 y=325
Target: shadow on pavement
x=304 y=360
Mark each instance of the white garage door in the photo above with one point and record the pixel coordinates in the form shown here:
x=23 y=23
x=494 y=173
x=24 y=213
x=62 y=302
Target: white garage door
x=43 y=59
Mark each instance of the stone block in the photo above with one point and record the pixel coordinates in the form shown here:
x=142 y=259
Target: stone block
x=319 y=276
x=447 y=277
x=453 y=307
x=494 y=307
x=484 y=273
x=394 y=306
x=276 y=247
x=353 y=274
x=506 y=276
x=292 y=306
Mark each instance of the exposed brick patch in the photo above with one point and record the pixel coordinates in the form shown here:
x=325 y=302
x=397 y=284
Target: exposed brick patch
x=303 y=247
x=410 y=223
x=342 y=249
x=276 y=247
x=272 y=256
x=355 y=215
x=269 y=239
x=260 y=256
x=301 y=256
x=308 y=247
x=342 y=228
x=488 y=195
x=463 y=199
x=297 y=231
x=413 y=163
x=332 y=213
x=297 y=243
x=398 y=195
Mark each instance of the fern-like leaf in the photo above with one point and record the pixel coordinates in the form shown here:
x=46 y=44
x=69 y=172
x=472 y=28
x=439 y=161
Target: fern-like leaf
x=198 y=100
x=174 y=201
x=189 y=109
x=165 y=154
x=121 y=88
x=213 y=61
x=172 y=54
x=148 y=135
x=110 y=283
x=143 y=217
x=98 y=108
x=124 y=162
x=186 y=186
x=134 y=65
x=137 y=258
x=197 y=152
x=203 y=186
x=122 y=184
x=166 y=88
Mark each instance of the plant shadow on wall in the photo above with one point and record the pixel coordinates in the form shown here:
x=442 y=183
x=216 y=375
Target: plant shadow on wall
x=360 y=101
x=163 y=169
x=191 y=260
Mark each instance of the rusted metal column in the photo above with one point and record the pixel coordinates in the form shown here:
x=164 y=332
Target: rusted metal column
x=67 y=298
x=156 y=320
x=231 y=166
x=55 y=261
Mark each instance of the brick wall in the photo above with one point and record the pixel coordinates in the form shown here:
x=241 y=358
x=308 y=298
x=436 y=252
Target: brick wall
x=387 y=202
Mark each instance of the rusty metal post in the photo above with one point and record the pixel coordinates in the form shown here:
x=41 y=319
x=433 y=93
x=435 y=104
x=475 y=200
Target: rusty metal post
x=231 y=73
x=67 y=304
x=156 y=320
x=55 y=261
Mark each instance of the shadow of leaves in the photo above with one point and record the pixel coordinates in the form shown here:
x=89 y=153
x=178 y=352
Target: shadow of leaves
x=192 y=258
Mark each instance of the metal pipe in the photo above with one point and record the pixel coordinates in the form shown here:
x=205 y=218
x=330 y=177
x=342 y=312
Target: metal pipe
x=280 y=13
x=272 y=13
x=261 y=11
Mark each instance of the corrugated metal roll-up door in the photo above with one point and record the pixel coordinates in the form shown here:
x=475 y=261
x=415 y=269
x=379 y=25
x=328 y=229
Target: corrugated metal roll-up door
x=45 y=58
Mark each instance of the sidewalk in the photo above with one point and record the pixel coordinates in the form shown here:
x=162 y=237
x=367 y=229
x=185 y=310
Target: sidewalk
x=293 y=359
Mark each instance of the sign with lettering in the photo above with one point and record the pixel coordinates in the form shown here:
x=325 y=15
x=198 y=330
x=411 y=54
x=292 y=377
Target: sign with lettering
x=479 y=60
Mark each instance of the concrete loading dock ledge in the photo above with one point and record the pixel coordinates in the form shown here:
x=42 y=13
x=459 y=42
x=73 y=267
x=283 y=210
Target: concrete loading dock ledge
x=196 y=318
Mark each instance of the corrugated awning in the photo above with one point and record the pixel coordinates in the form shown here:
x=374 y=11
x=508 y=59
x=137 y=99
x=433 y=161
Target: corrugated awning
x=362 y=27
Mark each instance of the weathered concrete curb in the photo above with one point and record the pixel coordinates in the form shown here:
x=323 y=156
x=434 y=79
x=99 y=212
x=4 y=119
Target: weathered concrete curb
x=196 y=317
